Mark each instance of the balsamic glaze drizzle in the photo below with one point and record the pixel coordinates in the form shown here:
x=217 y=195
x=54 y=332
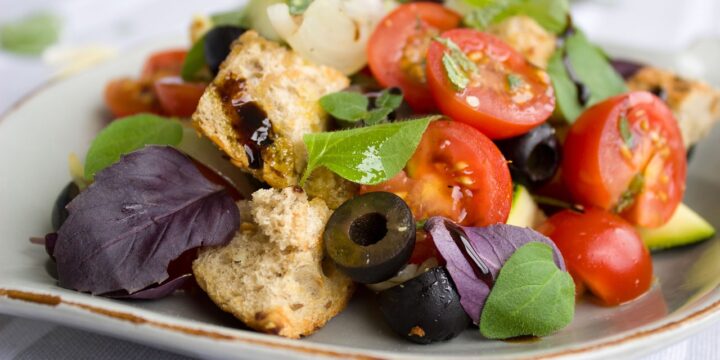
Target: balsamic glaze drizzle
x=248 y=119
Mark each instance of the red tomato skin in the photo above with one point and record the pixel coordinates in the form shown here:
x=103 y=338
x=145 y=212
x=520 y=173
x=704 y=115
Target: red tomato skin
x=456 y=172
x=125 y=97
x=163 y=63
x=178 y=98
x=597 y=170
x=490 y=108
x=386 y=44
x=603 y=253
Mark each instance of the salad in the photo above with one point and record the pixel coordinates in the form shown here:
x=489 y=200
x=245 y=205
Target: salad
x=474 y=164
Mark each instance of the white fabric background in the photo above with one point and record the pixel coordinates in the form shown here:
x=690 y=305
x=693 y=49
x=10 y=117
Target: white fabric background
x=685 y=34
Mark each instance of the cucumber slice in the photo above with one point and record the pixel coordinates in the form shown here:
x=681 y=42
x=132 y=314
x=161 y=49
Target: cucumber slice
x=524 y=211
x=685 y=227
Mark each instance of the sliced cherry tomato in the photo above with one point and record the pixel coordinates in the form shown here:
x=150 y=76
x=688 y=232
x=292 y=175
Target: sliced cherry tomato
x=177 y=97
x=398 y=48
x=125 y=97
x=164 y=63
x=424 y=248
x=507 y=96
x=456 y=172
x=626 y=154
x=603 y=253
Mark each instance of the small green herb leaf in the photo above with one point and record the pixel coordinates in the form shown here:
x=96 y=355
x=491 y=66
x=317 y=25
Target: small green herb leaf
x=367 y=155
x=514 y=81
x=297 y=7
x=531 y=296
x=550 y=14
x=127 y=135
x=194 y=61
x=386 y=103
x=346 y=105
x=30 y=35
x=591 y=67
x=625 y=131
x=458 y=66
x=627 y=198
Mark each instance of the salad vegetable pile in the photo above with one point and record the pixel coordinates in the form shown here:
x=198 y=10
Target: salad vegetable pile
x=486 y=165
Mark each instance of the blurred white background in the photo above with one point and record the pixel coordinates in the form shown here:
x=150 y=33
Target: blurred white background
x=680 y=35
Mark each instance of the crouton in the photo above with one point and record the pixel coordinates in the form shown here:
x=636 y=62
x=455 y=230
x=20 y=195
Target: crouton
x=696 y=105
x=261 y=104
x=272 y=275
x=526 y=36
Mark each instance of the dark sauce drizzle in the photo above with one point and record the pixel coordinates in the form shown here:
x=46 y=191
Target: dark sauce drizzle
x=583 y=92
x=248 y=119
x=481 y=270
x=660 y=92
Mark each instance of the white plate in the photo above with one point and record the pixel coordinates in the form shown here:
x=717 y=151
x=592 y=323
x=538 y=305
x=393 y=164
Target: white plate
x=38 y=134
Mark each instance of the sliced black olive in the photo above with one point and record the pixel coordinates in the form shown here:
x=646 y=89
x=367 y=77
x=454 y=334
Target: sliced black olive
x=424 y=309
x=59 y=212
x=533 y=158
x=371 y=237
x=217 y=44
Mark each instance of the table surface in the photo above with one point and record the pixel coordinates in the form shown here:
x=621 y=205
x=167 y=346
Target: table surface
x=690 y=46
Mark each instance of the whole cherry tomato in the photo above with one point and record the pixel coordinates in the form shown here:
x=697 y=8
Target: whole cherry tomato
x=603 y=253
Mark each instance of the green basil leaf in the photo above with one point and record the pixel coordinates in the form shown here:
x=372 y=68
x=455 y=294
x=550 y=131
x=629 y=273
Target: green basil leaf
x=297 y=7
x=458 y=67
x=346 y=105
x=30 y=35
x=592 y=68
x=377 y=116
x=367 y=155
x=550 y=14
x=531 y=296
x=127 y=135
x=231 y=17
x=194 y=61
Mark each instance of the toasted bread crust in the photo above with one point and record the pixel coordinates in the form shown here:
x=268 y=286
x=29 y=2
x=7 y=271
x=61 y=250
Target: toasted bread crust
x=286 y=87
x=272 y=275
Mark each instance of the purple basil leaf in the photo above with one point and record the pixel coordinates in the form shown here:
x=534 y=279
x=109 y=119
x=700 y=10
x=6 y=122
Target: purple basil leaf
x=140 y=214
x=626 y=68
x=157 y=291
x=475 y=255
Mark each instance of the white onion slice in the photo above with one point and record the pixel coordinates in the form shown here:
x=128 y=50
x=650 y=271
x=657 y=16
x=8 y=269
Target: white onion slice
x=330 y=32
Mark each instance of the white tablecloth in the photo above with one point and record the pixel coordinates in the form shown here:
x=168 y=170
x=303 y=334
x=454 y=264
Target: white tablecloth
x=688 y=28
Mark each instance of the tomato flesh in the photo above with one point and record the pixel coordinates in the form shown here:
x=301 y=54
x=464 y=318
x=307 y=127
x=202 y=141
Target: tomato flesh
x=125 y=97
x=178 y=98
x=626 y=154
x=507 y=96
x=398 y=48
x=603 y=253
x=456 y=172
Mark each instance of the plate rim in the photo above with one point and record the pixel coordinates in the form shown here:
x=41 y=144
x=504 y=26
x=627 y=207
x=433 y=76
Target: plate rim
x=16 y=297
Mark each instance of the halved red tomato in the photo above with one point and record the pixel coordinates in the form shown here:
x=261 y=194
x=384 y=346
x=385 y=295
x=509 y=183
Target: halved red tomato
x=398 y=48
x=456 y=172
x=125 y=97
x=506 y=96
x=163 y=63
x=626 y=154
x=178 y=98
x=603 y=253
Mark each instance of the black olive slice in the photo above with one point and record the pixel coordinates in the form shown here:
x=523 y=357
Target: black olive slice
x=218 y=42
x=424 y=309
x=533 y=158
x=371 y=237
